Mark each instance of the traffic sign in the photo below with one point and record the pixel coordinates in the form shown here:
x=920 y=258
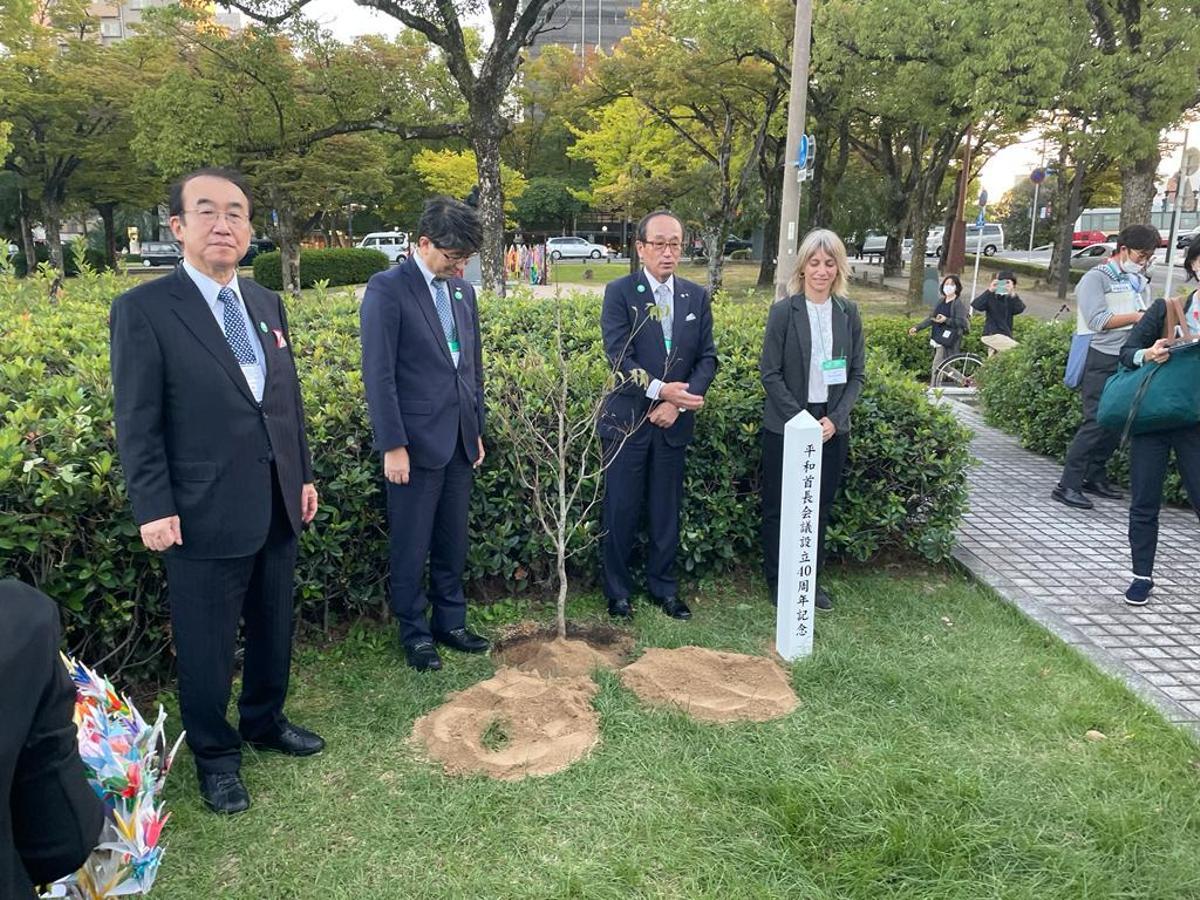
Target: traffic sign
x=802 y=156
x=979 y=218
x=983 y=198
x=1038 y=175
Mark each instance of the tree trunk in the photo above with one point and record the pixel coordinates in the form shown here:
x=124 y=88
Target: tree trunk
x=714 y=245
x=771 y=173
x=916 y=267
x=25 y=226
x=52 y=220
x=107 y=211
x=289 y=248
x=486 y=141
x=1137 y=188
x=1066 y=225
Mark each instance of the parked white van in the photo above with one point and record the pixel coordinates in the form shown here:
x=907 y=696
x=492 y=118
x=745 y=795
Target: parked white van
x=992 y=239
x=393 y=244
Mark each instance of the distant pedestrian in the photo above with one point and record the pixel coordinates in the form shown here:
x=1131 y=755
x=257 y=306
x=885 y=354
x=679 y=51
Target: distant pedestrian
x=1109 y=300
x=999 y=304
x=1148 y=452
x=950 y=322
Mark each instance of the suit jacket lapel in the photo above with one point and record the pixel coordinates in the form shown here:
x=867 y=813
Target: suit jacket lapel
x=643 y=300
x=462 y=318
x=841 y=330
x=681 y=306
x=259 y=311
x=199 y=320
x=420 y=292
x=803 y=333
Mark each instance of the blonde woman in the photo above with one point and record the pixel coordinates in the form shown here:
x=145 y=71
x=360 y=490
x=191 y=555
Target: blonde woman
x=812 y=359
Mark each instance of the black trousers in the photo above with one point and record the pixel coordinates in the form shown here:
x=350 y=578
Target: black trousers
x=427 y=521
x=833 y=461
x=645 y=472
x=1147 y=468
x=1090 y=449
x=208 y=596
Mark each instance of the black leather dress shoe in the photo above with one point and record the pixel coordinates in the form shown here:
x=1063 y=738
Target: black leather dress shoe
x=423 y=657
x=223 y=792
x=1104 y=489
x=673 y=607
x=1071 y=497
x=822 y=598
x=462 y=640
x=620 y=609
x=291 y=740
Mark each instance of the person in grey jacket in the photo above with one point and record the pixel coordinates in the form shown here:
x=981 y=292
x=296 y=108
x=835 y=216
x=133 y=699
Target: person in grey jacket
x=812 y=359
x=950 y=322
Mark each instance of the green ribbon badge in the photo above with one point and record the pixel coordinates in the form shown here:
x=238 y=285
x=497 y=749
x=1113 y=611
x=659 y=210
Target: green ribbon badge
x=457 y=294
x=262 y=326
x=641 y=289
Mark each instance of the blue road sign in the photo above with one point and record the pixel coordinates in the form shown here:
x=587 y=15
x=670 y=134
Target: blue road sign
x=1038 y=175
x=802 y=156
x=979 y=218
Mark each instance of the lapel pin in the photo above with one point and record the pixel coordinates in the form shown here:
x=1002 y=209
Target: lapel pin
x=641 y=289
x=262 y=326
x=457 y=294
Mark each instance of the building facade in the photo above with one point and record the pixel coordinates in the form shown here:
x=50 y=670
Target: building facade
x=117 y=19
x=587 y=25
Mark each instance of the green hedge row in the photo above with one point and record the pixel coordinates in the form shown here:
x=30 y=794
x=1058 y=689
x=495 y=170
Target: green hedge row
x=1034 y=270
x=1022 y=392
x=92 y=256
x=888 y=337
x=335 y=265
x=65 y=522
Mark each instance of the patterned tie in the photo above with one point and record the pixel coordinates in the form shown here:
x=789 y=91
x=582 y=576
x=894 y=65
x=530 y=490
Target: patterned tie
x=664 y=303
x=235 y=329
x=442 y=302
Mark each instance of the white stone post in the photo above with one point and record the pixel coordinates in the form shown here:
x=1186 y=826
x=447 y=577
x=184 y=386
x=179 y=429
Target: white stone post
x=800 y=508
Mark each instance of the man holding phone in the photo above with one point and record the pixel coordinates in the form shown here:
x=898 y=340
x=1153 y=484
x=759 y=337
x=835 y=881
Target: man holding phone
x=999 y=303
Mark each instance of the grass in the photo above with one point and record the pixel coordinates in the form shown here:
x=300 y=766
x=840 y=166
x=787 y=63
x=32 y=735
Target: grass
x=938 y=751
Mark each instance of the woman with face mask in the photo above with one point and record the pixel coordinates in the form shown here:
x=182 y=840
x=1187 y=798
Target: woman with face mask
x=1148 y=452
x=949 y=321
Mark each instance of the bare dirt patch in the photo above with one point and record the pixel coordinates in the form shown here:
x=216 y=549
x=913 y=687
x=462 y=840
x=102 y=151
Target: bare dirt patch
x=711 y=685
x=533 y=648
x=512 y=726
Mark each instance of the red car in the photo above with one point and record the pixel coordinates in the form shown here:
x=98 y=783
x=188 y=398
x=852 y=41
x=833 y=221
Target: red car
x=1081 y=239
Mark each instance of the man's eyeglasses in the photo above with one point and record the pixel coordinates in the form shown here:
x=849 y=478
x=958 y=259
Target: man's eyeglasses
x=454 y=257
x=1141 y=257
x=660 y=246
x=209 y=216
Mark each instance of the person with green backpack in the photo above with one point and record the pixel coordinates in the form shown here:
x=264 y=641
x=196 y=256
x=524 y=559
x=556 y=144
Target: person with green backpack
x=1148 y=450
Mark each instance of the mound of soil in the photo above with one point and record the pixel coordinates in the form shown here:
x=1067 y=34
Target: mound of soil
x=512 y=726
x=710 y=685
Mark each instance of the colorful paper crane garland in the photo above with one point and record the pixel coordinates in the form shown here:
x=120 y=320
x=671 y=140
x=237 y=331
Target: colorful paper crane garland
x=127 y=764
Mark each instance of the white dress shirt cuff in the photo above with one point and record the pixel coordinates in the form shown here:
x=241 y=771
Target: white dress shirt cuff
x=653 y=388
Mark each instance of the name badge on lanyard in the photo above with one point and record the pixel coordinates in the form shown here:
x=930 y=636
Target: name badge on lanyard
x=834 y=370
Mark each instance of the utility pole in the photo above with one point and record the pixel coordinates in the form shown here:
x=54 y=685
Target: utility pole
x=789 y=212
x=1181 y=182
x=954 y=243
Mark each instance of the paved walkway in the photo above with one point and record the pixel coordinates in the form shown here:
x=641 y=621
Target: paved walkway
x=1068 y=569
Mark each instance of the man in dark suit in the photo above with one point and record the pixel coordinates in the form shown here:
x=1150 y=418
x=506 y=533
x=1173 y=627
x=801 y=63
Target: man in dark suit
x=658 y=334
x=210 y=429
x=50 y=818
x=423 y=374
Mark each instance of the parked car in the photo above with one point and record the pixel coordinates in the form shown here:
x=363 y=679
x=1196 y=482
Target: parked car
x=257 y=246
x=392 y=244
x=570 y=247
x=160 y=253
x=1081 y=239
x=992 y=239
x=1184 y=239
x=1092 y=255
x=732 y=245
x=933 y=241
x=873 y=244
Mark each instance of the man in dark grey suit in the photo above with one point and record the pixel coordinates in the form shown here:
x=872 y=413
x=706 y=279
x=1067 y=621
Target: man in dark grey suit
x=423 y=373
x=210 y=429
x=50 y=818
x=668 y=360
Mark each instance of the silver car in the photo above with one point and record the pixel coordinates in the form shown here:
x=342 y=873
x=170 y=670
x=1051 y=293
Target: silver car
x=575 y=248
x=1092 y=255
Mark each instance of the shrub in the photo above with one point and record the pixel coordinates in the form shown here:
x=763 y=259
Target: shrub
x=887 y=336
x=1039 y=271
x=1022 y=392
x=336 y=266
x=65 y=522
x=93 y=257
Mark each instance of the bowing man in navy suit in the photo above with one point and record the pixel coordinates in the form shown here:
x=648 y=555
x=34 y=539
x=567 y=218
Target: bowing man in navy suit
x=210 y=430
x=423 y=374
x=667 y=359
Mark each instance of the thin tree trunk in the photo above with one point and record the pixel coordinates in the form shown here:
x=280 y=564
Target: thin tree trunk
x=916 y=263
x=1137 y=188
x=714 y=243
x=771 y=173
x=25 y=226
x=486 y=141
x=289 y=249
x=562 y=400
x=52 y=219
x=107 y=211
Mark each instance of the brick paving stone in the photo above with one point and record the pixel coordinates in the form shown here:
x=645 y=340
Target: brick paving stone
x=1068 y=569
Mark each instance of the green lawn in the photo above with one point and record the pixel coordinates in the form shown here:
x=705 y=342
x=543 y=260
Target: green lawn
x=939 y=750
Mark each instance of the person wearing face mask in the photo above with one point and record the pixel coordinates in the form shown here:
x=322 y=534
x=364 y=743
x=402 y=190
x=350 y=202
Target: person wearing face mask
x=1148 y=452
x=999 y=304
x=813 y=359
x=1109 y=300
x=949 y=321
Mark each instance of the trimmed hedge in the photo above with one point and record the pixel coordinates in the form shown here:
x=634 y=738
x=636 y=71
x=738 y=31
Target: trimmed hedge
x=1040 y=271
x=1022 y=392
x=335 y=266
x=65 y=522
x=888 y=337
x=93 y=257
